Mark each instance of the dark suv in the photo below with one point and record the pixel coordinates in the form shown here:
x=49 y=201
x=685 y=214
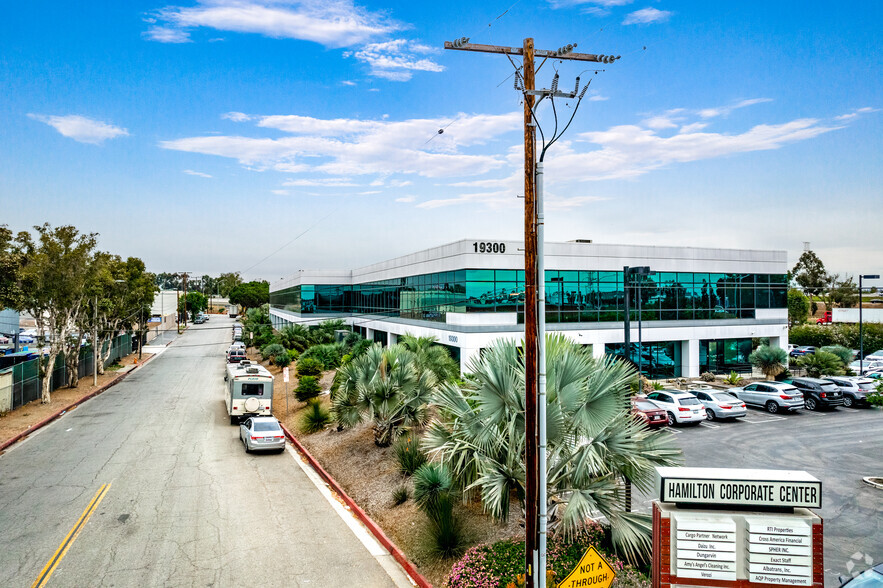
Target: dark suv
x=818 y=394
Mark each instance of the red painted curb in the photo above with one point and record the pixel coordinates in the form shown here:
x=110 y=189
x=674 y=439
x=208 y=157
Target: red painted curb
x=391 y=547
x=71 y=406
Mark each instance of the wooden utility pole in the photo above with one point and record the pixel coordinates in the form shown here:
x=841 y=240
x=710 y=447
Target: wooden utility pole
x=531 y=537
x=531 y=280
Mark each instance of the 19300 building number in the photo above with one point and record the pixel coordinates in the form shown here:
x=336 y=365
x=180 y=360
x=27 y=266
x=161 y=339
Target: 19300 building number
x=489 y=247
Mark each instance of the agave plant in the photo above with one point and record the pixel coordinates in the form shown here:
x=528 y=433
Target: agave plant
x=387 y=386
x=593 y=441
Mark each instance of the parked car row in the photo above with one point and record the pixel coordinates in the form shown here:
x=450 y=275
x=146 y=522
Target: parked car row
x=674 y=407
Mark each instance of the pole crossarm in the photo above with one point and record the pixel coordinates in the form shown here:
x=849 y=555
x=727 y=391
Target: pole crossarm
x=479 y=48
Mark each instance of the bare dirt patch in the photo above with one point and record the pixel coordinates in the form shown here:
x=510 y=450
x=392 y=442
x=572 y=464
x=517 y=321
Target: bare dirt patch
x=369 y=475
x=26 y=416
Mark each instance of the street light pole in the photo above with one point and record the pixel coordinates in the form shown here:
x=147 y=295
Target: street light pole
x=861 y=339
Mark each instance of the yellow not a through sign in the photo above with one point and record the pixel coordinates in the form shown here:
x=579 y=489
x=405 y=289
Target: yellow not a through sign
x=592 y=570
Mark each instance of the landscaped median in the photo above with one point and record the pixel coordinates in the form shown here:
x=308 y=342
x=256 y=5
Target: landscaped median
x=24 y=420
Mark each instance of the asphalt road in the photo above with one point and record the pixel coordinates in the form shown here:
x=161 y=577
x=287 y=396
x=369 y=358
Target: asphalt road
x=839 y=448
x=185 y=505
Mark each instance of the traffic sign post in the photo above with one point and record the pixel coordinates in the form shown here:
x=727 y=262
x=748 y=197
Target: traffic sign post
x=591 y=571
x=285 y=379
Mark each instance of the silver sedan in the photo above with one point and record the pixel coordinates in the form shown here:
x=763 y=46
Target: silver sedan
x=262 y=433
x=719 y=405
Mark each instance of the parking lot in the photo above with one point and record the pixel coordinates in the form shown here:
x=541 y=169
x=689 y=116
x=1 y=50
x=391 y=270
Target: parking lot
x=838 y=447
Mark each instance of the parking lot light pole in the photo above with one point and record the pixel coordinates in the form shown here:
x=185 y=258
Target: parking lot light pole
x=861 y=341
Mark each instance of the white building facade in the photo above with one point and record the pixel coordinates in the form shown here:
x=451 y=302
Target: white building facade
x=700 y=310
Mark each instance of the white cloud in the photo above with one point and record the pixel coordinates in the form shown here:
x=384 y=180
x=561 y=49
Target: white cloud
x=166 y=35
x=630 y=150
x=692 y=127
x=646 y=16
x=405 y=199
x=322 y=182
x=80 y=128
x=333 y=23
x=348 y=83
x=395 y=60
x=726 y=110
x=352 y=147
x=855 y=113
x=196 y=173
x=593 y=97
x=659 y=122
x=280 y=192
x=236 y=116
x=352 y=154
x=593 y=7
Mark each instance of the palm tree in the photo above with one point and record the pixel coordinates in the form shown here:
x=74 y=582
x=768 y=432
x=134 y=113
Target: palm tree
x=431 y=356
x=770 y=360
x=385 y=385
x=593 y=441
x=295 y=336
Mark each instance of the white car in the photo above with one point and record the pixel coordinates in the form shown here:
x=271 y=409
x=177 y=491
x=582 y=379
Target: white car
x=775 y=397
x=867 y=364
x=680 y=407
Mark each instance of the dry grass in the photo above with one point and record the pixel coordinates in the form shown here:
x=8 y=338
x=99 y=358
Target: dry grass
x=370 y=475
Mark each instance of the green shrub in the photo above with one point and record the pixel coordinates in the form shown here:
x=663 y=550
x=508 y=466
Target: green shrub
x=400 y=495
x=840 y=351
x=876 y=398
x=271 y=351
x=435 y=496
x=770 y=360
x=784 y=375
x=282 y=360
x=498 y=564
x=707 y=377
x=307 y=366
x=293 y=354
x=733 y=378
x=821 y=363
x=408 y=453
x=843 y=334
x=658 y=385
x=328 y=355
x=315 y=418
x=307 y=387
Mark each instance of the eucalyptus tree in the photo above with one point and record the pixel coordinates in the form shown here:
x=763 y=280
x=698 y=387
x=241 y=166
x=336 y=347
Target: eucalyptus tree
x=53 y=281
x=11 y=261
x=593 y=440
x=386 y=386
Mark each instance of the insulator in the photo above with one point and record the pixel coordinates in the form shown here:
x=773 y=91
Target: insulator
x=555 y=83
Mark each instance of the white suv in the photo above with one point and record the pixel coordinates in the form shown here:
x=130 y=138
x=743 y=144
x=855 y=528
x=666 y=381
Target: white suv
x=680 y=407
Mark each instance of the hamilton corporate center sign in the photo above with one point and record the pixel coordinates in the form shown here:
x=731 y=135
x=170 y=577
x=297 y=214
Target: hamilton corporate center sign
x=730 y=527
x=756 y=488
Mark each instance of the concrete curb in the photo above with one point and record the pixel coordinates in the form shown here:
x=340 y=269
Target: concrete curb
x=9 y=442
x=378 y=533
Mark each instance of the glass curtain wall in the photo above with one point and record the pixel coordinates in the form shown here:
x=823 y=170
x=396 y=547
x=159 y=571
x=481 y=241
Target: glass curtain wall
x=659 y=359
x=571 y=296
x=724 y=355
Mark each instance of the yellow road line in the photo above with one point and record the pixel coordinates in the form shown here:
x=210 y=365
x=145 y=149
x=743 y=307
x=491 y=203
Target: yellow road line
x=71 y=537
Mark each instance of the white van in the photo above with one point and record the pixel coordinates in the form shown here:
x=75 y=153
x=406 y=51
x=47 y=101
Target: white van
x=249 y=391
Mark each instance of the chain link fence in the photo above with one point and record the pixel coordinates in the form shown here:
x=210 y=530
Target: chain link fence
x=26 y=385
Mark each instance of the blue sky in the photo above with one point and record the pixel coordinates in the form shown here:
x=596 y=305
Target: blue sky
x=209 y=135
